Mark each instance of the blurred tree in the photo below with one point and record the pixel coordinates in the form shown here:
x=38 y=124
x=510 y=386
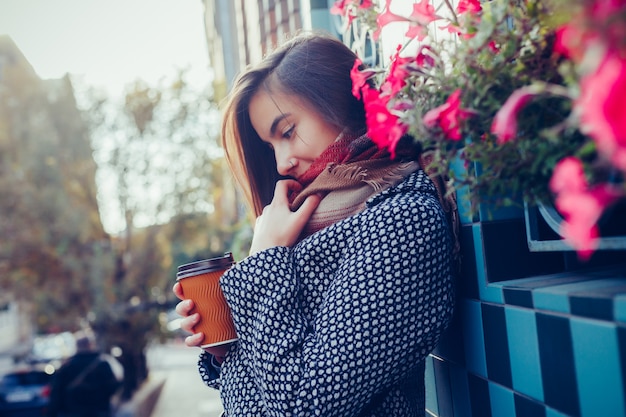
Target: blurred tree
x=53 y=248
x=162 y=179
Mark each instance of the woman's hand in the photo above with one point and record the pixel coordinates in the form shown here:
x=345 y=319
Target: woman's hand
x=189 y=321
x=278 y=225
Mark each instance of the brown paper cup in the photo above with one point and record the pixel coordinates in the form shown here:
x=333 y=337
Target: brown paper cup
x=200 y=283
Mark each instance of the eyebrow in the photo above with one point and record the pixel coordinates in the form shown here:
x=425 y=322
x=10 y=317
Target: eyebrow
x=276 y=121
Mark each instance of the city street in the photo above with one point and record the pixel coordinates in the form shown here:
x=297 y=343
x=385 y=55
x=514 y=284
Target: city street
x=184 y=393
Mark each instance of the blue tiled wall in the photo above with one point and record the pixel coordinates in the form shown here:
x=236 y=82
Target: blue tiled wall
x=534 y=334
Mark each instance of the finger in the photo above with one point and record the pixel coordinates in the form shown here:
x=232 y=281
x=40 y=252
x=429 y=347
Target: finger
x=289 y=183
x=294 y=186
x=194 y=340
x=189 y=322
x=184 y=307
x=282 y=189
x=178 y=291
x=303 y=214
x=310 y=204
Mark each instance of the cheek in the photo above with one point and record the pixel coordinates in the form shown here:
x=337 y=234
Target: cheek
x=320 y=139
x=323 y=142
x=311 y=149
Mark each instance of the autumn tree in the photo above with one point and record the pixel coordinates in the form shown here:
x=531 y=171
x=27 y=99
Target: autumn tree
x=169 y=199
x=54 y=252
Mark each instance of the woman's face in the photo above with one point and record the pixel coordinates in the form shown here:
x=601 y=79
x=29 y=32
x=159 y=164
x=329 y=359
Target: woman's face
x=295 y=131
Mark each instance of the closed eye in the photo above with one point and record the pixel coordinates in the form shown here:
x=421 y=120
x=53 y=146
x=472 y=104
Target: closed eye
x=288 y=132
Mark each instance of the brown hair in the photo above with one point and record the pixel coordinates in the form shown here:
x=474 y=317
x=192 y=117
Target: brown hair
x=314 y=67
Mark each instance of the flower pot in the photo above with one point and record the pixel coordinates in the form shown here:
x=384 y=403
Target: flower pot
x=543 y=225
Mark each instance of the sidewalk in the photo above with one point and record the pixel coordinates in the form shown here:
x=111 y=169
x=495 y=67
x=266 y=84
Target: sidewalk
x=173 y=388
x=184 y=393
x=144 y=400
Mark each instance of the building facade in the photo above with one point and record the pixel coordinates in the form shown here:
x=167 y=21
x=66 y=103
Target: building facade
x=240 y=32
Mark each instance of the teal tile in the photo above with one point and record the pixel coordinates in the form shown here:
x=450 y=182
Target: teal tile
x=620 y=308
x=556 y=298
x=431 y=387
x=460 y=392
x=550 y=412
x=551 y=299
x=524 y=352
x=462 y=193
x=473 y=337
x=486 y=292
x=543 y=281
x=596 y=354
x=502 y=401
x=488 y=212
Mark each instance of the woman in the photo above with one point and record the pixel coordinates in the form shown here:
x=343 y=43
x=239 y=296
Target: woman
x=348 y=285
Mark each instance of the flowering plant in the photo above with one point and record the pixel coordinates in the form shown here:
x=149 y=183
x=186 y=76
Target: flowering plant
x=528 y=94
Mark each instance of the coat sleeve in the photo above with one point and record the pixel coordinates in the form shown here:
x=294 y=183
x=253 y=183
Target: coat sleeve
x=209 y=370
x=388 y=300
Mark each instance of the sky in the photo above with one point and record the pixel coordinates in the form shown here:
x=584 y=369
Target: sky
x=108 y=43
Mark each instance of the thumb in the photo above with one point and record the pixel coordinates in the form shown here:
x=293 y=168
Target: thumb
x=309 y=205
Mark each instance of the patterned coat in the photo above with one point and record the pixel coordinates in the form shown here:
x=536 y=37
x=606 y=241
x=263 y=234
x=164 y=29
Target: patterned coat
x=340 y=324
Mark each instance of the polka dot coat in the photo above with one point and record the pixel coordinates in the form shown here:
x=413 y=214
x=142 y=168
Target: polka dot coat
x=340 y=324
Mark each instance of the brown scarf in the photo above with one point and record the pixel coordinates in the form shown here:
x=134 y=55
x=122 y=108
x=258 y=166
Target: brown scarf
x=347 y=173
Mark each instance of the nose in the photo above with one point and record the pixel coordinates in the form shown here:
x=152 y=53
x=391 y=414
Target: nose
x=284 y=167
x=283 y=164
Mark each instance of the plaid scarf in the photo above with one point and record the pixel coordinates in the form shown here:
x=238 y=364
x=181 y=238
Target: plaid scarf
x=347 y=174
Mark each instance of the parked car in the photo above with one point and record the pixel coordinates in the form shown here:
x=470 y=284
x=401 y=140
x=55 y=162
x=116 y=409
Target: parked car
x=25 y=391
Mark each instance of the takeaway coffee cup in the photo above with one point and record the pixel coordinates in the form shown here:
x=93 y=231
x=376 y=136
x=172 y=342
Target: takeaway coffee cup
x=200 y=283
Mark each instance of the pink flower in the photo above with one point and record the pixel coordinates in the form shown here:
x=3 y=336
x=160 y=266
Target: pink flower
x=452 y=28
x=385 y=18
x=568 y=176
x=504 y=124
x=601 y=10
x=339 y=7
x=472 y=6
x=345 y=13
x=424 y=13
x=561 y=43
x=571 y=41
x=396 y=78
x=601 y=105
x=383 y=127
x=465 y=7
x=448 y=116
x=581 y=211
x=424 y=57
x=580 y=206
x=342 y=8
x=359 y=78
x=416 y=32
